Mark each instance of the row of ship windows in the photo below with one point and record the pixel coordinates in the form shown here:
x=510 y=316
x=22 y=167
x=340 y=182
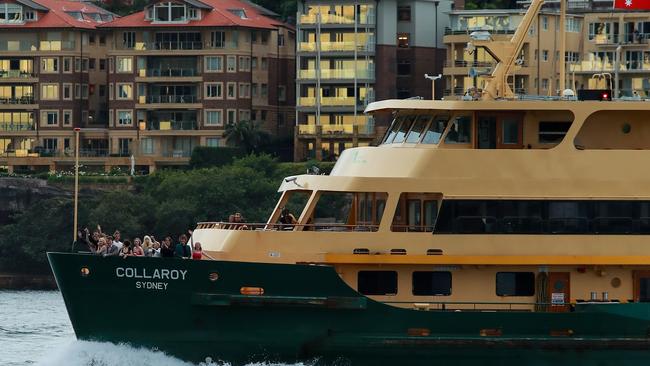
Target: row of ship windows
x=439 y=283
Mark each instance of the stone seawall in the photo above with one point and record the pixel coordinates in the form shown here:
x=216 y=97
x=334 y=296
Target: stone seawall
x=27 y=282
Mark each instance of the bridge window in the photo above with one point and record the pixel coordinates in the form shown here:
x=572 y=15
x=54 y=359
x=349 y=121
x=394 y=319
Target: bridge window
x=419 y=126
x=404 y=129
x=515 y=284
x=416 y=212
x=460 y=131
x=348 y=211
x=431 y=283
x=377 y=282
x=435 y=130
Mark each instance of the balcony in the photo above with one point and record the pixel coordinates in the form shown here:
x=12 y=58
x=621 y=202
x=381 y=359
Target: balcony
x=170 y=99
x=338 y=74
x=608 y=66
x=16 y=127
x=463 y=63
x=17 y=75
x=327 y=101
x=312 y=19
x=163 y=46
x=18 y=103
x=171 y=125
x=336 y=130
x=468 y=31
x=336 y=47
x=169 y=73
x=57 y=45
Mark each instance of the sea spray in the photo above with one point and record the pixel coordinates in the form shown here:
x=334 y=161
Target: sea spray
x=83 y=353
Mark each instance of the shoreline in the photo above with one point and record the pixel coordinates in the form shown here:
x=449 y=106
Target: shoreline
x=17 y=281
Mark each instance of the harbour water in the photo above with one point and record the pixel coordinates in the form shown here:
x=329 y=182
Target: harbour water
x=35 y=330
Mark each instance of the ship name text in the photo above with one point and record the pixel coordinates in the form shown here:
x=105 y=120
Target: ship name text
x=143 y=273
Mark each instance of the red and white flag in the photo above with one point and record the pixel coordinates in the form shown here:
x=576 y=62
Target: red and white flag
x=632 y=4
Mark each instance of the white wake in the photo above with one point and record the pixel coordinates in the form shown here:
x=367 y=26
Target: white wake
x=82 y=353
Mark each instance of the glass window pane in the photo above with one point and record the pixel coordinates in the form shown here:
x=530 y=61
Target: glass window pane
x=428 y=283
x=435 y=130
x=419 y=125
x=510 y=131
x=394 y=127
x=515 y=284
x=404 y=128
x=460 y=131
x=377 y=282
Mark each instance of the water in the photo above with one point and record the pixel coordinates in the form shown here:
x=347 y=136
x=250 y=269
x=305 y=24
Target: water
x=35 y=330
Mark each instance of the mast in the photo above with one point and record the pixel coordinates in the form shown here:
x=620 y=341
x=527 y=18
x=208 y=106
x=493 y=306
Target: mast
x=505 y=53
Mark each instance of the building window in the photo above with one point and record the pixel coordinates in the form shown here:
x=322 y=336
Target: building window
x=146 y=145
x=280 y=40
x=84 y=91
x=124 y=91
x=403 y=40
x=377 y=282
x=193 y=13
x=50 y=118
x=213 y=90
x=77 y=91
x=244 y=90
x=67 y=117
x=232 y=116
x=102 y=90
x=544 y=22
x=67 y=64
x=212 y=141
x=244 y=63
x=403 y=67
x=102 y=64
x=254 y=90
x=77 y=64
x=128 y=40
x=213 y=117
x=91 y=63
x=265 y=37
x=50 y=65
x=49 y=91
x=213 y=63
x=545 y=84
x=11 y=13
x=124 y=64
x=265 y=63
x=282 y=93
x=544 y=55
x=404 y=13
x=515 y=284
x=218 y=39
x=125 y=118
x=169 y=12
x=254 y=63
x=231 y=92
x=50 y=145
x=67 y=91
x=244 y=115
x=264 y=90
x=429 y=283
x=30 y=15
x=84 y=64
x=231 y=64
x=102 y=40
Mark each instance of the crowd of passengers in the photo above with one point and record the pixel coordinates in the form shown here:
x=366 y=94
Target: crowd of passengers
x=107 y=245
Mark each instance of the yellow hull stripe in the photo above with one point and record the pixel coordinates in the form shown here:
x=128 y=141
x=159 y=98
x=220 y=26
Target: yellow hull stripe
x=487 y=259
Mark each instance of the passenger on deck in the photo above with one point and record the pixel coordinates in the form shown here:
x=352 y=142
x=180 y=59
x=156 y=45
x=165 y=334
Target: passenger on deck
x=238 y=222
x=183 y=250
x=197 y=253
x=116 y=239
x=101 y=247
x=147 y=245
x=287 y=219
x=155 y=250
x=111 y=248
x=166 y=251
x=137 y=248
x=126 y=250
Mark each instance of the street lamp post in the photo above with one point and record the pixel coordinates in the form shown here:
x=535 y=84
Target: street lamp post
x=435 y=50
x=76 y=180
x=433 y=84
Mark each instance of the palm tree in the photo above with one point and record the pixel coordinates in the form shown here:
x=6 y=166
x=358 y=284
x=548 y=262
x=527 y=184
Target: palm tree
x=246 y=134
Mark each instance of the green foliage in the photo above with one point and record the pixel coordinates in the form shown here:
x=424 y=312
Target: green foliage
x=204 y=156
x=490 y=4
x=165 y=203
x=247 y=134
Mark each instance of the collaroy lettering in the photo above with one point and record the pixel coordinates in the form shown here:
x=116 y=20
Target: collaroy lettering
x=162 y=274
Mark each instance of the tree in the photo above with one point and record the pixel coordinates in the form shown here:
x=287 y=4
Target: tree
x=247 y=134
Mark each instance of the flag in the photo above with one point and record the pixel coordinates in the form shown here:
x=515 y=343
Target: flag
x=632 y=4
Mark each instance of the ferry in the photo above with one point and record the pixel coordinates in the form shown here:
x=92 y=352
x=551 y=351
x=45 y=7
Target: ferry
x=494 y=230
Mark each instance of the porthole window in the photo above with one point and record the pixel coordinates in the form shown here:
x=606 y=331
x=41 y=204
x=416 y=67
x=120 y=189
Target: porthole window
x=377 y=282
x=626 y=128
x=85 y=272
x=214 y=276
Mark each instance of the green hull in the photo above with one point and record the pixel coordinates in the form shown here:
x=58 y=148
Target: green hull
x=308 y=313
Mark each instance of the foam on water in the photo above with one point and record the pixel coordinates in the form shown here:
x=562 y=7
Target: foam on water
x=82 y=353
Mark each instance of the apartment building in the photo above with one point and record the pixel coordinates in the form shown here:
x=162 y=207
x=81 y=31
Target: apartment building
x=145 y=88
x=538 y=64
x=351 y=53
x=52 y=79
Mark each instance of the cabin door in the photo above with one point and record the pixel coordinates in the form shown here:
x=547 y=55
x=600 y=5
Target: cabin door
x=486 y=131
x=642 y=286
x=559 y=291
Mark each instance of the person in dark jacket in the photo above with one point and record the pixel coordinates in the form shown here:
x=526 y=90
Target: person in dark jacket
x=183 y=250
x=166 y=251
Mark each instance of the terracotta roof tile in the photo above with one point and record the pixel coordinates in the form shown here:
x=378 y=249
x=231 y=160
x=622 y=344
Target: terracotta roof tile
x=57 y=16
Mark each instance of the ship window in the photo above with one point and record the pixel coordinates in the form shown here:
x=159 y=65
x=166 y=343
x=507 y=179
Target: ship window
x=430 y=283
x=348 y=211
x=404 y=128
x=515 y=284
x=435 y=130
x=416 y=212
x=377 y=282
x=552 y=132
x=419 y=126
x=394 y=127
x=295 y=202
x=460 y=131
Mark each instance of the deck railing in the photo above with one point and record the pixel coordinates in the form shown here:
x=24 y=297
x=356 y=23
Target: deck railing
x=328 y=227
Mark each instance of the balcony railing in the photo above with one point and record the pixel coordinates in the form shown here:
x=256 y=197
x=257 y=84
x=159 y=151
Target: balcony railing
x=327 y=101
x=463 y=63
x=336 y=46
x=449 y=31
x=599 y=66
x=57 y=45
x=21 y=100
x=335 y=19
x=171 y=125
x=176 y=72
x=168 y=99
x=171 y=45
x=16 y=74
x=338 y=74
x=17 y=127
x=344 y=129
x=94 y=153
